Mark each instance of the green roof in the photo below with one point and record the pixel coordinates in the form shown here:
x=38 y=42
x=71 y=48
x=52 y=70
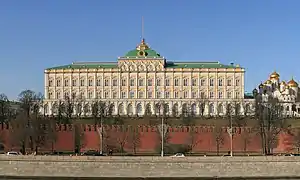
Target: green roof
x=87 y=65
x=149 y=53
x=198 y=65
x=169 y=64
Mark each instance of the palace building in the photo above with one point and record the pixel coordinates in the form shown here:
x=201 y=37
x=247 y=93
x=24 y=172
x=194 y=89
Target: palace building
x=142 y=78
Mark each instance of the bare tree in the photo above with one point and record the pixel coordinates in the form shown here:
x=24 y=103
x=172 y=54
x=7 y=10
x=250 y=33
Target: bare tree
x=269 y=113
x=218 y=137
x=134 y=138
x=20 y=132
x=5 y=109
x=296 y=139
x=69 y=107
x=42 y=132
x=121 y=139
x=79 y=138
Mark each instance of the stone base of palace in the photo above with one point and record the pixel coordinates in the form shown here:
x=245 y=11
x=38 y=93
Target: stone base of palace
x=58 y=166
x=147 y=139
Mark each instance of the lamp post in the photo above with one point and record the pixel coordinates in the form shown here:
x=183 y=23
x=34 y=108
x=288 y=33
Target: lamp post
x=231 y=143
x=162 y=137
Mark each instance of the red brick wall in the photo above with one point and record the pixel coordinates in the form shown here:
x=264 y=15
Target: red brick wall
x=204 y=138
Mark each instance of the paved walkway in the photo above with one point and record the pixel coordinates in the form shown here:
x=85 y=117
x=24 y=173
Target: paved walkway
x=149 y=166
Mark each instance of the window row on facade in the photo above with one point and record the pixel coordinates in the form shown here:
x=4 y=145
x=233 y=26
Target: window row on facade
x=142 y=82
x=145 y=94
x=169 y=109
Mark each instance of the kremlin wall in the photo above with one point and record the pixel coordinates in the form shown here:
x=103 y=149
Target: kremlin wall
x=146 y=139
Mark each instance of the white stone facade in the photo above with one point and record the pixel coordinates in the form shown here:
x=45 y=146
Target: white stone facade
x=287 y=93
x=143 y=78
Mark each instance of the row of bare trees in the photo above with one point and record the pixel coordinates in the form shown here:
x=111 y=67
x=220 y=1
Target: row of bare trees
x=32 y=129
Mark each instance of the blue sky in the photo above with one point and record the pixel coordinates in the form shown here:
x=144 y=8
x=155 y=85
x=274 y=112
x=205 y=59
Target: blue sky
x=261 y=35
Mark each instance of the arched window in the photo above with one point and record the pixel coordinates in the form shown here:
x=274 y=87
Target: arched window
x=211 y=109
x=175 y=110
x=220 y=108
x=121 y=109
x=129 y=109
x=194 y=109
x=139 y=109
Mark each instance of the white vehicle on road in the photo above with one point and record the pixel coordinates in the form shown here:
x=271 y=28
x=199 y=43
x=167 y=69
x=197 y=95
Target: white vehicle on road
x=12 y=153
x=178 y=155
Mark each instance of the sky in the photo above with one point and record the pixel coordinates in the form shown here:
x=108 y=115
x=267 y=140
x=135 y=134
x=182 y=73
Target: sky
x=260 y=35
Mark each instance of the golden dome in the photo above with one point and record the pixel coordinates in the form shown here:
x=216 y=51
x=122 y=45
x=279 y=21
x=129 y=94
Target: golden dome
x=283 y=83
x=268 y=82
x=292 y=83
x=274 y=75
x=261 y=85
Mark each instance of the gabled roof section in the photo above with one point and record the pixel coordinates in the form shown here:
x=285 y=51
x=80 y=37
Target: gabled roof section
x=212 y=64
x=86 y=65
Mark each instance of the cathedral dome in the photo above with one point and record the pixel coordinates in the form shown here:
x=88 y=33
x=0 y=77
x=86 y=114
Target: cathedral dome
x=268 y=82
x=274 y=75
x=261 y=85
x=283 y=83
x=292 y=83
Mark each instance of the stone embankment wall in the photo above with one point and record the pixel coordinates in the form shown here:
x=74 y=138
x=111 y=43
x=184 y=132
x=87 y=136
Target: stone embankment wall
x=149 y=166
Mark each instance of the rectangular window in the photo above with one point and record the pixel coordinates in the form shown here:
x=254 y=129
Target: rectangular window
x=123 y=82
x=202 y=95
x=106 y=95
x=237 y=82
x=131 y=94
x=220 y=95
x=58 y=83
x=57 y=95
x=106 y=82
x=66 y=94
x=98 y=82
x=229 y=83
x=194 y=82
x=99 y=94
x=202 y=82
x=211 y=82
x=82 y=95
x=150 y=82
x=158 y=82
x=141 y=94
x=132 y=82
x=185 y=94
x=115 y=94
x=167 y=82
x=141 y=82
x=90 y=95
x=150 y=94
x=220 y=82
x=82 y=82
x=176 y=94
x=90 y=82
x=74 y=82
x=211 y=95
x=115 y=82
x=50 y=83
x=176 y=82
x=123 y=95
x=158 y=94
x=237 y=94
x=194 y=94
x=229 y=95
x=167 y=94
x=185 y=82
x=66 y=82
